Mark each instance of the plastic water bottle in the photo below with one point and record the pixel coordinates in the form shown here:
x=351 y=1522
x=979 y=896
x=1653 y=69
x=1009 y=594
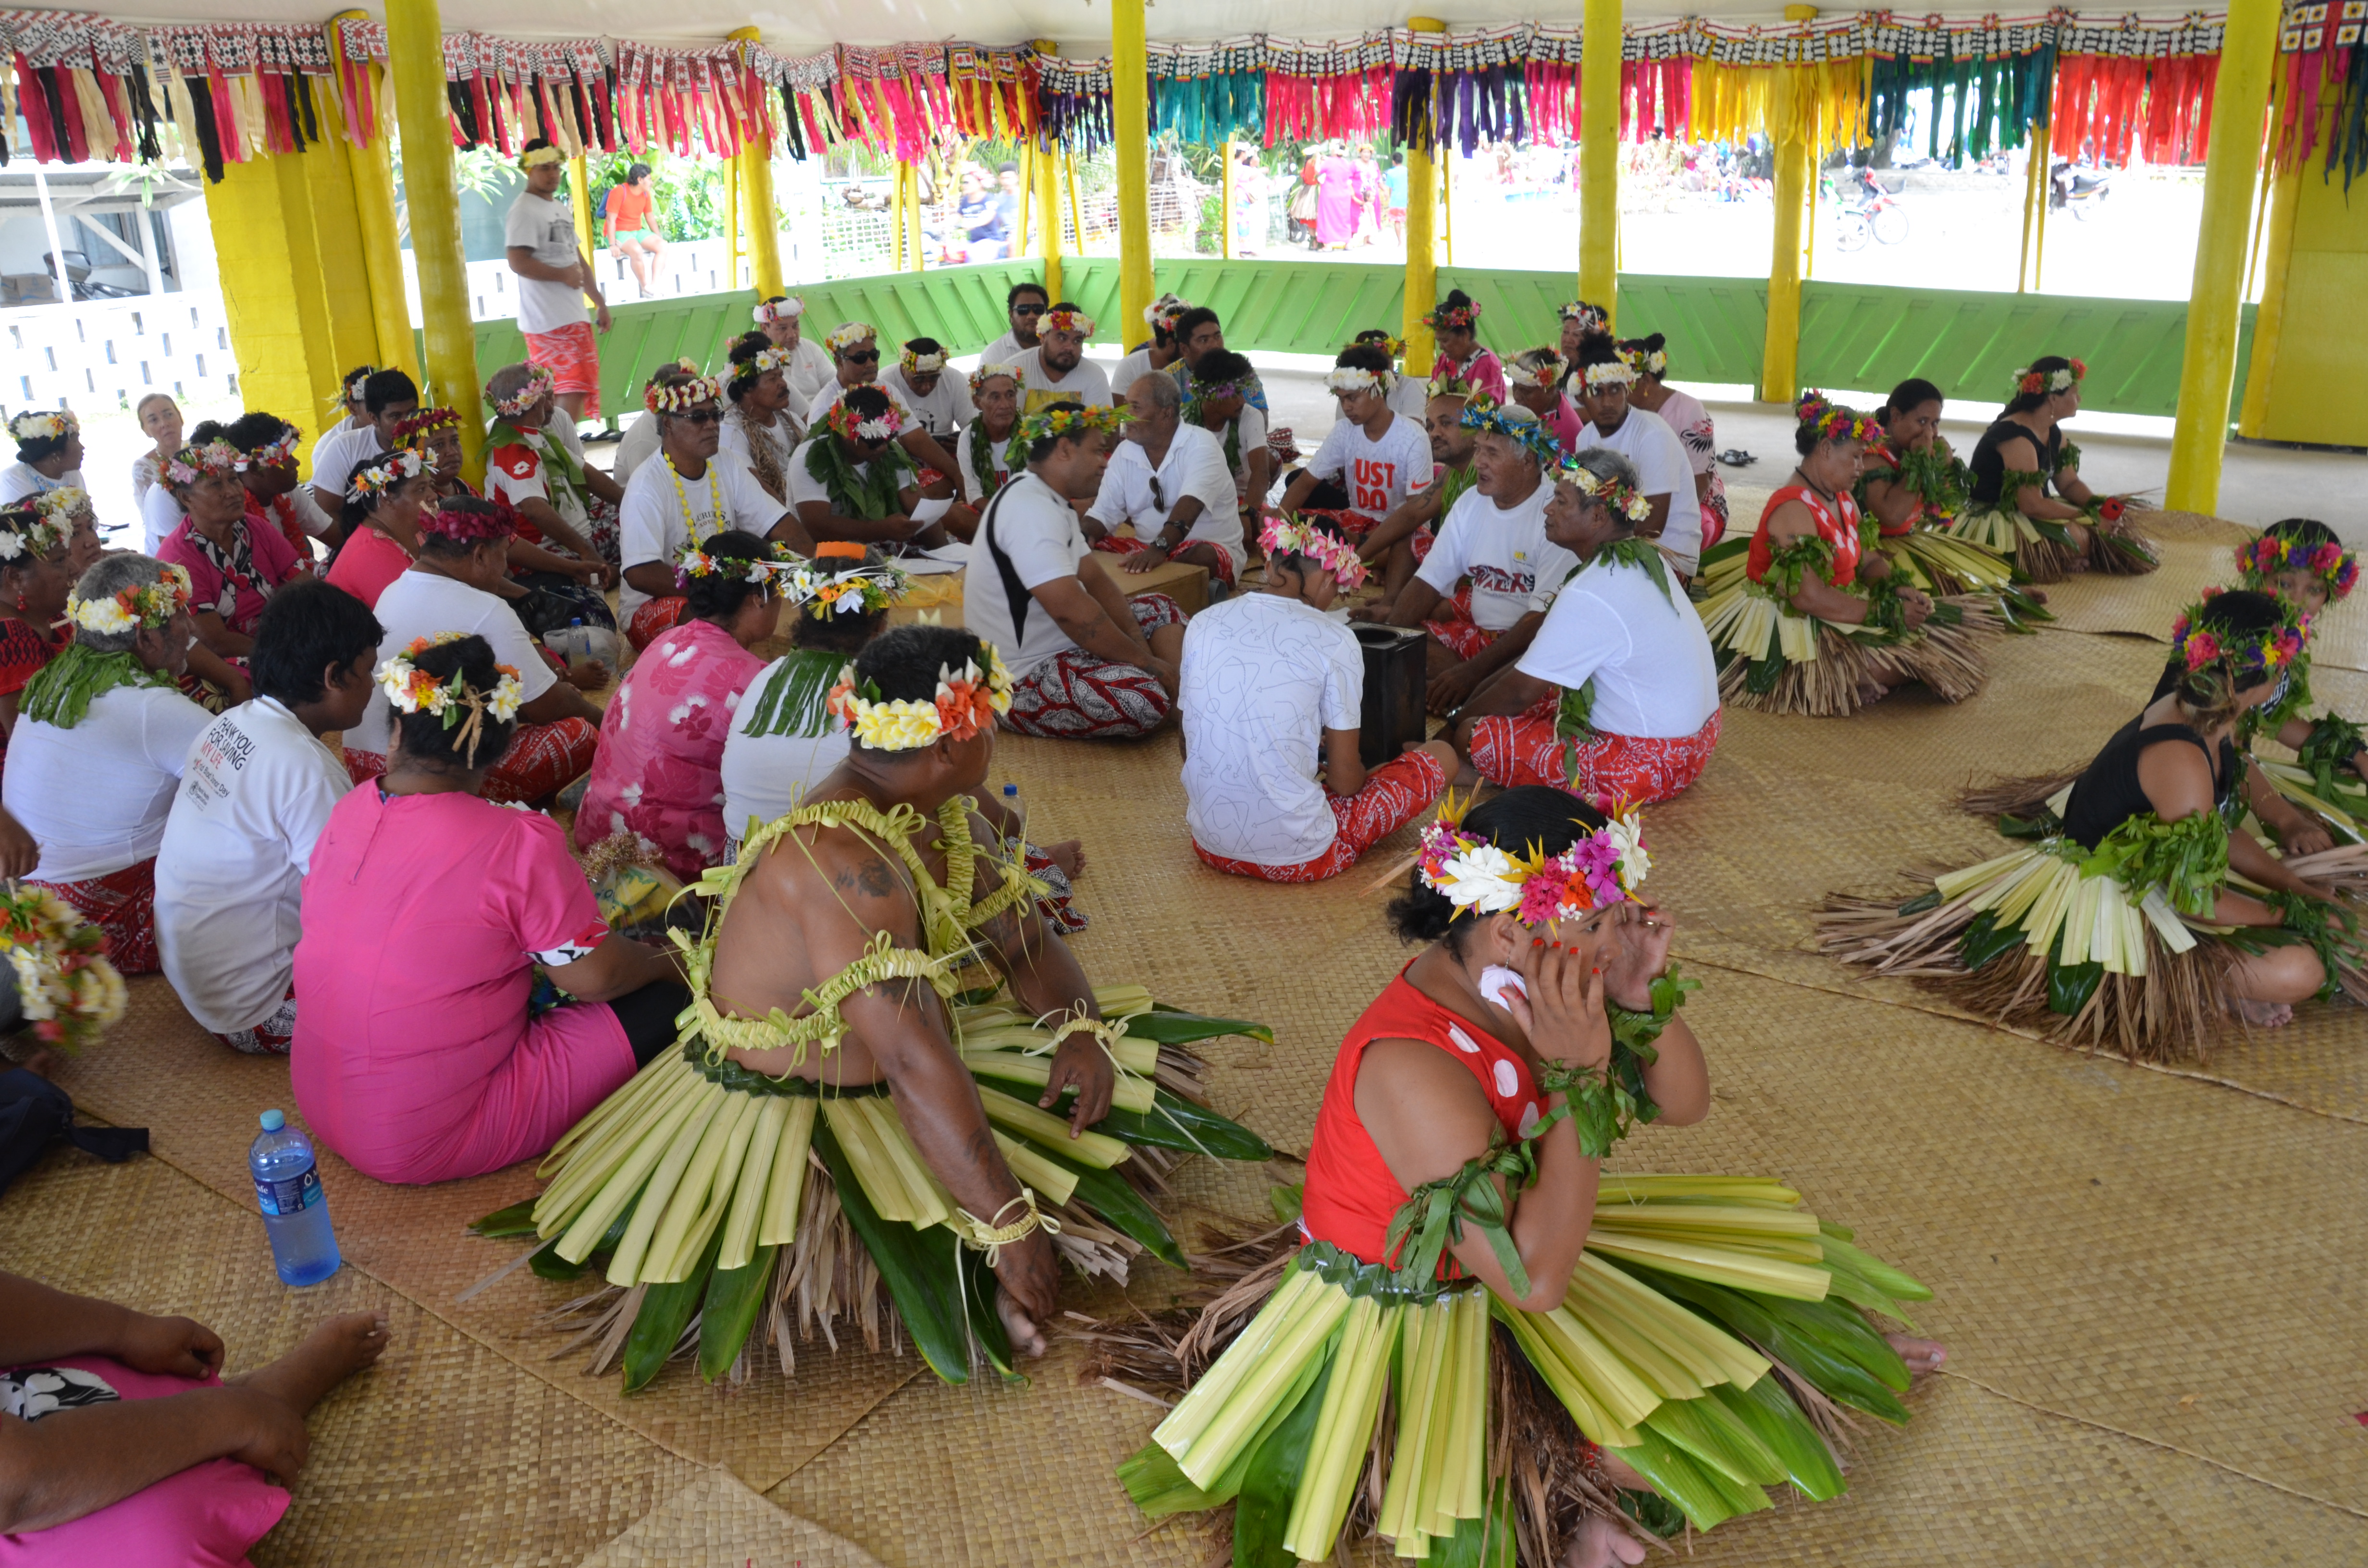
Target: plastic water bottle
x=295 y=1210
x=1018 y=832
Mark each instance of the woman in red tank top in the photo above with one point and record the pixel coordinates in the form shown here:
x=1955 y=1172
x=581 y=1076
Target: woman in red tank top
x=1455 y=1180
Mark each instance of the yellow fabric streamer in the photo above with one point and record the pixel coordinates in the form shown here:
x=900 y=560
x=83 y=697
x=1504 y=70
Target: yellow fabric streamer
x=1731 y=103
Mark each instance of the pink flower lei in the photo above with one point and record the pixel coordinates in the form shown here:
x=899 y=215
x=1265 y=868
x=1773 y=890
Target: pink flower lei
x=1603 y=867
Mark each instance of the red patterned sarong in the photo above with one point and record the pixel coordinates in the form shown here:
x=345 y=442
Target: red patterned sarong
x=1422 y=539
x=273 y=1035
x=655 y=617
x=543 y=760
x=1611 y=769
x=1395 y=794
x=1074 y=696
x=1455 y=630
x=572 y=355
x=124 y=905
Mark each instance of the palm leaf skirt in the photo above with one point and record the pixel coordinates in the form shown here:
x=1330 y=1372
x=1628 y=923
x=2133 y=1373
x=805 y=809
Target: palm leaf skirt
x=1949 y=567
x=1710 y=1336
x=2043 y=552
x=722 y=1207
x=1779 y=661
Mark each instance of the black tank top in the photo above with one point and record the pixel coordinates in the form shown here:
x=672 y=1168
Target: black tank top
x=2108 y=793
x=1989 y=469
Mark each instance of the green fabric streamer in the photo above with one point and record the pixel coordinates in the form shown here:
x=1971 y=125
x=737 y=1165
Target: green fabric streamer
x=2187 y=858
x=67 y=687
x=872 y=497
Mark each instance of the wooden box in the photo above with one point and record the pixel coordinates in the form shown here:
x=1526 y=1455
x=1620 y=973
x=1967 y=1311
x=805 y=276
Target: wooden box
x=1186 y=583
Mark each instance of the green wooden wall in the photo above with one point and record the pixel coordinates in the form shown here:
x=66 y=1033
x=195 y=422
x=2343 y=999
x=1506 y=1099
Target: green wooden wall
x=1853 y=336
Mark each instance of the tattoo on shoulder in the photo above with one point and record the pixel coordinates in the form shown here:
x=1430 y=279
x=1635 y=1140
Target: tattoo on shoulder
x=870 y=877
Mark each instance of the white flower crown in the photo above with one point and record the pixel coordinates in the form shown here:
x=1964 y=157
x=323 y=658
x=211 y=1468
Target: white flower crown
x=849 y=334
x=673 y=397
x=1350 y=379
x=409 y=690
x=1546 y=375
x=986 y=373
x=787 y=308
x=1610 y=373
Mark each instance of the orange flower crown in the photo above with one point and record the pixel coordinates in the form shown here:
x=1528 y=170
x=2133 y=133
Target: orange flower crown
x=965 y=704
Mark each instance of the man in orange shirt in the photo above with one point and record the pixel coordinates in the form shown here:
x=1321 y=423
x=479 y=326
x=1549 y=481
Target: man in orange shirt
x=631 y=221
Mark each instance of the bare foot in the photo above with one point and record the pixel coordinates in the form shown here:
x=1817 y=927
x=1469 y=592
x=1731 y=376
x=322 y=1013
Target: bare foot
x=1599 y=1543
x=1872 y=692
x=333 y=1352
x=1069 y=855
x=2264 y=1015
x=1027 y=1339
x=1922 y=1355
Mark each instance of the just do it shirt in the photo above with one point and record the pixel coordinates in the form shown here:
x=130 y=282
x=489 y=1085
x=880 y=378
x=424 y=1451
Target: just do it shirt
x=1377 y=475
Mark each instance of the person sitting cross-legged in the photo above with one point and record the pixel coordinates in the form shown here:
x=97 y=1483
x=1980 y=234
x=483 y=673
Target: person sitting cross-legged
x=853 y=478
x=234 y=561
x=855 y=356
x=257 y=791
x=1375 y=466
x=1616 y=697
x=423 y=1052
x=101 y=737
x=121 y=1442
x=1169 y=480
x=44 y=551
x=1272 y=689
x=463 y=552
x=1088 y=662
x=759 y=432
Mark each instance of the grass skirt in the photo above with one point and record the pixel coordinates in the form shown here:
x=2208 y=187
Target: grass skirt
x=1778 y=661
x=2043 y=552
x=1947 y=567
x=1712 y=1339
x=724 y=1208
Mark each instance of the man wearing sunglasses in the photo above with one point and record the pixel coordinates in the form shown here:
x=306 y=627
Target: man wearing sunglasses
x=1169 y=480
x=1024 y=305
x=855 y=348
x=687 y=494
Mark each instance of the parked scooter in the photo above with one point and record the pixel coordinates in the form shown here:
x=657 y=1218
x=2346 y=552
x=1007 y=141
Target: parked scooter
x=2083 y=191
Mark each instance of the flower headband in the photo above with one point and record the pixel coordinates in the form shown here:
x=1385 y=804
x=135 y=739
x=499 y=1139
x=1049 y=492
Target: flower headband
x=846 y=334
x=150 y=604
x=538 y=382
x=1465 y=316
x=2194 y=644
x=746 y=372
x=413 y=429
x=986 y=373
x=540 y=156
x=860 y=590
x=272 y=454
x=49 y=426
x=1164 y=311
x=1292 y=536
x=1075 y=321
x=63 y=504
x=843 y=418
x=1514 y=423
x=1206 y=392
x=1393 y=346
x=1832 y=422
x=1607 y=373
x=1618 y=495
x=965 y=704
x=1604 y=868
x=410 y=690
x=675 y=397
x=1548 y=373
x=1057 y=421
x=1346 y=380
x=921 y=364
x=2260 y=560
x=1446 y=383
x=1590 y=318
x=786 y=308
x=2050 y=380
x=465 y=525
x=403 y=462
x=190 y=463
x=30 y=530
x=1646 y=361
x=696 y=562
x=349 y=389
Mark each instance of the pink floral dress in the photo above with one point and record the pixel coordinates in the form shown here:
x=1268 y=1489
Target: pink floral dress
x=659 y=771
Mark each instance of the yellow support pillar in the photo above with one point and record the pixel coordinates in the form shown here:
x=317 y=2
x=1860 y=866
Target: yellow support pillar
x=1044 y=184
x=1779 y=369
x=735 y=246
x=1131 y=120
x=2269 y=321
x=2239 y=95
x=2037 y=188
x=1421 y=233
x=415 y=50
x=1598 y=156
x=762 y=219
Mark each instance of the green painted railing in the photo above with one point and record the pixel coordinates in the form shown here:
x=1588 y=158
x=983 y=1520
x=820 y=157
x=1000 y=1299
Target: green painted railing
x=1853 y=336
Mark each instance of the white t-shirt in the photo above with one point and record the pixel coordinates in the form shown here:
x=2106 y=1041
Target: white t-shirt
x=334 y=456
x=1662 y=468
x=1194 y=466
x=765 y=775
x=95 y=797
x=827 y=399
x=1134 y=365
x=1377 y=475
x=19 y=480
x=1263 y=677
x=1252 y=425
x=1410 y=398
x=945 y=410
x=637 y=446
x=973 y=432
x=421 y=603
x=1650 y=659
x=159 y=515
x=809 y=373
x=547 y=229
x=652 y=525
x=1086 y=382
x=1505 y=552
x=1036 y=531
x=1004 y=350
x=230 y=874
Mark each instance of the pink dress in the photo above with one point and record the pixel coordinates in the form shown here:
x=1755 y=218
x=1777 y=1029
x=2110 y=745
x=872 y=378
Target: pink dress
x=1483 y=372
x=1565 y=424
x=1336 y=200
x=368 y=561
x=235 y=584
x=415 y=1058
x=659 y=771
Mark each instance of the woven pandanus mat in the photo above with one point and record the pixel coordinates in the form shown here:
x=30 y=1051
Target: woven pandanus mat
x=716 y=1520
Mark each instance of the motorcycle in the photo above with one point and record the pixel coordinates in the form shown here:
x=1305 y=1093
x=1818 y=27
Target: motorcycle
x=2083 y=191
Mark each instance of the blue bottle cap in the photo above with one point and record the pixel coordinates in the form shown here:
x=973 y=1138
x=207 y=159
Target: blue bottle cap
x=1011 y=788
x=273 y=1121
x=577 y=622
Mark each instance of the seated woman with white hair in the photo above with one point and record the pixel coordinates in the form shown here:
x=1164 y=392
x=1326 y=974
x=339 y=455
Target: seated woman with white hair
x=102 y=736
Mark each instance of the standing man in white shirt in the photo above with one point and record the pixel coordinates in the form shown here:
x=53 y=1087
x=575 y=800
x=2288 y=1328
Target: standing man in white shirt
x=1495 y=536
x=1157 y=355
x=1663 y=471
x=1271 y=687
x=1375 y=459
x=1056 y=368
x=780 y=319
x=1622 y=654
x=555 y=275
x=257 y=792
x=1087 y=662
x=1169 y=480
x=1024 y=305
x=684 y=495
x=918 y=379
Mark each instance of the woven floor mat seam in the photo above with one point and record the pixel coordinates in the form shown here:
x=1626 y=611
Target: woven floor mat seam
x=2165 y=1069
x=2156 y=1443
